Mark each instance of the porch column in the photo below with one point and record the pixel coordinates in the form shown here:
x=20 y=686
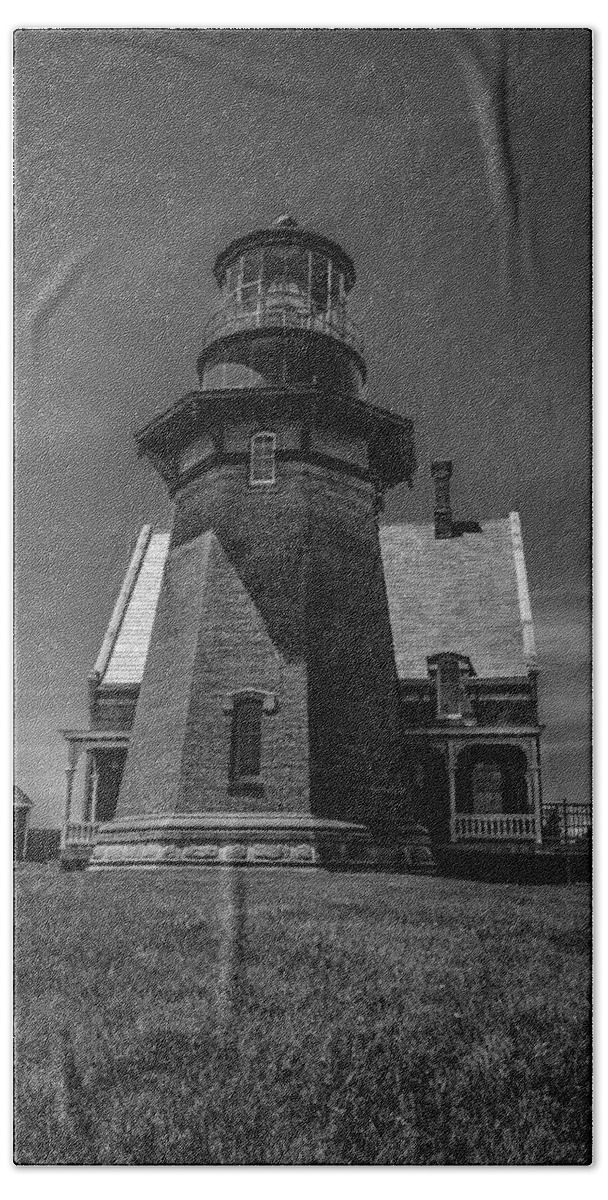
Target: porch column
x=452 y=757
x=533 y=780
x=86 y=801
x=94 y=786
x=73 y=756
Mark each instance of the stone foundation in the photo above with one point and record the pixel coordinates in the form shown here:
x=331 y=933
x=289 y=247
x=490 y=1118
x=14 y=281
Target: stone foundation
x=255 y=840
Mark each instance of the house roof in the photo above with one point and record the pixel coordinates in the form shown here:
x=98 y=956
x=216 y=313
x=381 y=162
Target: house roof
x=122 y=657
x=467 y=594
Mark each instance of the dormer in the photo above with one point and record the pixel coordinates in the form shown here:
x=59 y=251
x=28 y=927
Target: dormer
x=451 y=672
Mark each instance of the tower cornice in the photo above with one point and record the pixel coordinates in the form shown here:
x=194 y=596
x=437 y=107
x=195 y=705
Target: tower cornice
x=199 y=413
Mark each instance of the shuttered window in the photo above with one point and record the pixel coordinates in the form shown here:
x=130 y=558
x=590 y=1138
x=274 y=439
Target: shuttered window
x=246 y=741
x=262 y=464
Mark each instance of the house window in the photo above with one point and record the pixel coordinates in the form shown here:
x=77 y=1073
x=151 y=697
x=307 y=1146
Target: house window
x=451 y=672
x=262 y=458
x=246 y=740
x=486 y=786
x=449 y=687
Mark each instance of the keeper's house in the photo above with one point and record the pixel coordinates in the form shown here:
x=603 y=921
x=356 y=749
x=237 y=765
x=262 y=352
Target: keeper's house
x=465 y=656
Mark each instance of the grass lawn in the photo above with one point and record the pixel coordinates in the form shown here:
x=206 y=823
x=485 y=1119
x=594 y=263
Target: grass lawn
x=380 y=1019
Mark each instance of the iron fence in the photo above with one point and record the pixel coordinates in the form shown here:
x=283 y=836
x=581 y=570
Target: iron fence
x=565 y=823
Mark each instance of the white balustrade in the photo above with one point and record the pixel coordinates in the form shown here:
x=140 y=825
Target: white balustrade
x=80 y=833
x=495 y=826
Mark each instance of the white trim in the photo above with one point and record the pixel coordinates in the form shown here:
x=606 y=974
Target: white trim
x=262 y=433
x=120 y=608
x=97 y=737
x=269 y=700
x=525 y=610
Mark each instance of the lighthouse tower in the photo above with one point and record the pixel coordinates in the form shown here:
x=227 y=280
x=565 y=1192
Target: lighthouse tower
x=267 y=727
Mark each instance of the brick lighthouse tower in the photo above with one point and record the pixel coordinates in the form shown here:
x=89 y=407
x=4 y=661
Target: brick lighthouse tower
x=267 y=726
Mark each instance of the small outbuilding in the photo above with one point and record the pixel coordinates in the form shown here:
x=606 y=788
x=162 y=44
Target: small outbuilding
x=22 y=806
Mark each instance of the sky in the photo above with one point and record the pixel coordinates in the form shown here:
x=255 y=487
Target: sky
x=454 y=166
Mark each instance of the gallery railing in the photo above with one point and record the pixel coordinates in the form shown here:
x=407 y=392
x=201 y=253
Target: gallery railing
x=281 y=309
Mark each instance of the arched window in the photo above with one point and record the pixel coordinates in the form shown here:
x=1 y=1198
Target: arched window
x=262 y=458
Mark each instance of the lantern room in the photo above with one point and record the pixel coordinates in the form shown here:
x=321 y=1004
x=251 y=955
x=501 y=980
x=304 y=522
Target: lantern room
x=282 y=318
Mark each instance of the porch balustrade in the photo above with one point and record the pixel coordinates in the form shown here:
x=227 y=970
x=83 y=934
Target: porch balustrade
x=80 y=833
x=485 y=826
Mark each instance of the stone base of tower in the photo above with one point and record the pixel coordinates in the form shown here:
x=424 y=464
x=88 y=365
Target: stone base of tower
x=256 y=840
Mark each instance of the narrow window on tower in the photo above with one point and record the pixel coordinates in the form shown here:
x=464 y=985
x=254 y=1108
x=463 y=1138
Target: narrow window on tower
x=262 y=458
x=246 y=740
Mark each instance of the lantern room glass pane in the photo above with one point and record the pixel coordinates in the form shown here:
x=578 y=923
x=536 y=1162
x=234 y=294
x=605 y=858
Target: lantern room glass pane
x=286 y=267
x=274 y=265
x=252 y=266
x=319 y=282
x=336 y=287
x=298 y=270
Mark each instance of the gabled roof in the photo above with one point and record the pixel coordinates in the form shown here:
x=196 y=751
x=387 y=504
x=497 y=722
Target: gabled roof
x=467 y=594
x=122 y=657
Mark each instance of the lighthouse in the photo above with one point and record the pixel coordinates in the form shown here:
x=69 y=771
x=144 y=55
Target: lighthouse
x=267 y=726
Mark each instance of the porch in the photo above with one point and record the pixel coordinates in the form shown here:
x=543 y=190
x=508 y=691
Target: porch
x=475 y=786
x=96 y=759
x=478 y=784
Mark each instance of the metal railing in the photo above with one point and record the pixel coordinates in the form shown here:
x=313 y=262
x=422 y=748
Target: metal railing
x=566 y=824
x=496 y=826
x=283 y=310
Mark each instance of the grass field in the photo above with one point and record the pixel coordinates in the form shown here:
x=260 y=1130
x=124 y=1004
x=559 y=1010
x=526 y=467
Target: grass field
x=381 y=1019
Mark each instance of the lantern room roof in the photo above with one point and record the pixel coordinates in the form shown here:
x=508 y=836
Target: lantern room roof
x=286 y=231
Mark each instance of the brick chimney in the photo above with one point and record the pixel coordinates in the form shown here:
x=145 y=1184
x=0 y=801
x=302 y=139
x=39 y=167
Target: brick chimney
x=441 y=470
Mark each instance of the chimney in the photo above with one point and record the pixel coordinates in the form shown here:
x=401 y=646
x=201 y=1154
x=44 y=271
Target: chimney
x=441 y=470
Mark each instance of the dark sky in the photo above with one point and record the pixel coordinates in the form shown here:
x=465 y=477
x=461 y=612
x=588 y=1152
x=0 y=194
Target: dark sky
x=453 y=166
